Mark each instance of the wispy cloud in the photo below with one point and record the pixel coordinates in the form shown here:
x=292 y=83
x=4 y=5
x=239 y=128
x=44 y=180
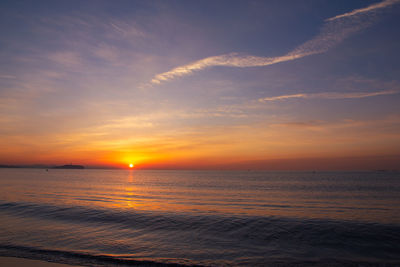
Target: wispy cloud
x=66 y=58
x=330 y=95
x=232 y=60
x=373 y=7
x=334 y=31
x=7 y=76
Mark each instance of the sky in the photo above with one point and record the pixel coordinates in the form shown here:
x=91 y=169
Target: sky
x=269 y=85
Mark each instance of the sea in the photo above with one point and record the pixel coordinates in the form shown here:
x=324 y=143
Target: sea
x=200 y=218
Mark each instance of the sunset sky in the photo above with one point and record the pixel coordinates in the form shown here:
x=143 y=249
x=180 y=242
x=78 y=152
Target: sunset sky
x=285 y=85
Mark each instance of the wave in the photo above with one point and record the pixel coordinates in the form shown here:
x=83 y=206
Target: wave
x=85 y=259
x=275 y=239
x=77 y=258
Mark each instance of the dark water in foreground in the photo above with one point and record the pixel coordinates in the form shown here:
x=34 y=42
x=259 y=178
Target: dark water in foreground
x=212 y=218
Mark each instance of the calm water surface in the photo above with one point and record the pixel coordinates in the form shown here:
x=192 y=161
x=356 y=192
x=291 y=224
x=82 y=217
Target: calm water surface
x=212 y=218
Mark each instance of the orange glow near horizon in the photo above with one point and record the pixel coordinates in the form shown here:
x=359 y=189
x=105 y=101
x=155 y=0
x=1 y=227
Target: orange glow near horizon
x=219 y=155
x=131 y=165
x=276 y=147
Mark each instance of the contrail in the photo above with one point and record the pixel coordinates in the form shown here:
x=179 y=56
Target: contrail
x=333 y=32
x=330 y=95
x=373 y=7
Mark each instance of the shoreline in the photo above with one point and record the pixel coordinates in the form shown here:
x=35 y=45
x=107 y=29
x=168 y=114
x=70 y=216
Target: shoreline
x=23 y=262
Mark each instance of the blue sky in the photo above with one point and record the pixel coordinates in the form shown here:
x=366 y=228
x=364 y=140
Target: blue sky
x=175 y=82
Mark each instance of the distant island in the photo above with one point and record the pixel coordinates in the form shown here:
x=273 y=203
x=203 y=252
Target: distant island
x=70 y=166
x=9 y=166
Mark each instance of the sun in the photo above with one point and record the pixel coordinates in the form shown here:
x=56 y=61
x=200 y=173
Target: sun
x=131 y=165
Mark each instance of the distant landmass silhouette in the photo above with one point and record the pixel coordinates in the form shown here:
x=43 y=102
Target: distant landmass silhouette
x=69 y=166
x=9 y=166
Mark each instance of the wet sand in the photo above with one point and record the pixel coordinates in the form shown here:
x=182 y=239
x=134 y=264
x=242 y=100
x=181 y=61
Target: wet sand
x=20 y=262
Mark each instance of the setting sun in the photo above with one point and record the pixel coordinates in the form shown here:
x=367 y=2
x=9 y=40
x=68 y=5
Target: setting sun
x=131 y=165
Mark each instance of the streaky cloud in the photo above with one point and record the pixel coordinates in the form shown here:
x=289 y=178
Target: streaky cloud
x=333 y=32
x=373 y=7
x=231 y=60
x=7 y=76
x=333 y=95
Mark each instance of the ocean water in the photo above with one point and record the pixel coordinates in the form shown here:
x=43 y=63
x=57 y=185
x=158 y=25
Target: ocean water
x=207 y=218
